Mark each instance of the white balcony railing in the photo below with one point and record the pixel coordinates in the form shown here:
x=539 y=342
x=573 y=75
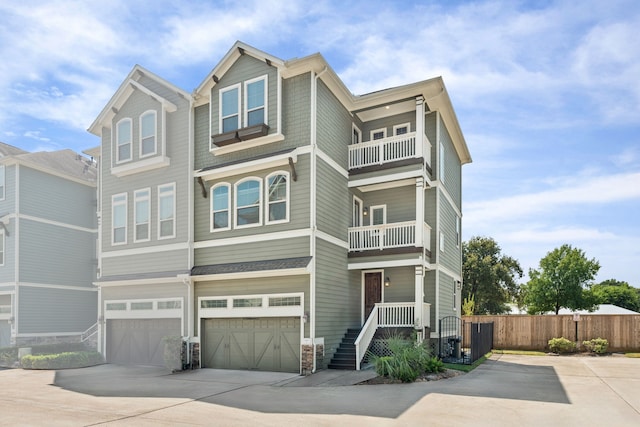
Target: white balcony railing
x=383 y=236
x=388 y=150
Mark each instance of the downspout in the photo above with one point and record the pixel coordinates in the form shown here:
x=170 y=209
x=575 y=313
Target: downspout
x=313 y=214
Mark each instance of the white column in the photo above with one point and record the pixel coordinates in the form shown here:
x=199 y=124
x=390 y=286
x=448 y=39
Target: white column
x=419 y=297
x=419 y=126
x=419 y=212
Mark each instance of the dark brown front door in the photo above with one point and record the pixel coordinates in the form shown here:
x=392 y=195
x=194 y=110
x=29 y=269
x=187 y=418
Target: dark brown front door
x=372 y=291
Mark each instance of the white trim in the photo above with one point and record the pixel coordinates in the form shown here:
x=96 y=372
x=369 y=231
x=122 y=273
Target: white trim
x=454 y=276
x=235 y=203
x=442 y=242
x=48 y=334
x=356 y=130
x=212 y=212
x=374 y=131
x=263 y=237
x=332 y=163
x=287 y=200
x=250 y=166
x=221 y=118
x=153 y=313
x=360 y=216
x=333 y=240
x=139 y=166
x=136 y=200
x=145 y=250
x=245 y=145
x=384 y=214
x=265 y=105
x=447 y=196
x=362 y=288
x=3 y=248
x=113 y=207
x=388 y=185
x=363 y=182
x=136 y=282
x=302 y=271
x=117 y=140
x=56 y=223
x=407 y=125
x=60 y=287
x=173 y=194
x=155 y=133
x=441 y=165
x=385 y=264
x=263 y=311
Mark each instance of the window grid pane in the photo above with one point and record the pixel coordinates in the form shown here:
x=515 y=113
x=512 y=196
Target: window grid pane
x=247 y=302
x=213 y=303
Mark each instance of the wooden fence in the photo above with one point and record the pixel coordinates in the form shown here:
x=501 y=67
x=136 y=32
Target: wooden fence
x=524 y=332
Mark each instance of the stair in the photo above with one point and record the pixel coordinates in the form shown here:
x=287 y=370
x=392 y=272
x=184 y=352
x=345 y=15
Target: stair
x=345 y=356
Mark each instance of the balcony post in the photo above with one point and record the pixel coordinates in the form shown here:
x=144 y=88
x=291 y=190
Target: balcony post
x=419 y=126
x=419 y=212
x=419 y=301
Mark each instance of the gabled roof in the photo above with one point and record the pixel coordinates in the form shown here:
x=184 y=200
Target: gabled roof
x=10 y=150
x=128 y=86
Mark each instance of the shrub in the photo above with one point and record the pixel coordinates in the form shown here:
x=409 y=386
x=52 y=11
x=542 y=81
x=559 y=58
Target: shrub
x=408 y=361
x=8 y=356
x=597 y=345
x=561 y=345
x=78 y=359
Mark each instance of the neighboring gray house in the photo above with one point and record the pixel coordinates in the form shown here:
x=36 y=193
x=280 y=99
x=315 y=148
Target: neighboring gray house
x=47 y=246
x=309 y=213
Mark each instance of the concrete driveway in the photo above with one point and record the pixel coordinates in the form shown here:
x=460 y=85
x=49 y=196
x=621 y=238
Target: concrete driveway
x=506 y=390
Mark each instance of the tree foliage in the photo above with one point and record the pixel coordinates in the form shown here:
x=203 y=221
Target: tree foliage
x=562 y=281
x=489 y=277
x=616 y=292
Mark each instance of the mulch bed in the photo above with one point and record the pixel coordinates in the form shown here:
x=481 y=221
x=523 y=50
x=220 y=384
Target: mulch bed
x=448 y=373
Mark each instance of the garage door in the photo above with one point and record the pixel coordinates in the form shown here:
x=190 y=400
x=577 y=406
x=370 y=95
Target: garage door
x=139 y=341
x=5 y=333
x=265 y=344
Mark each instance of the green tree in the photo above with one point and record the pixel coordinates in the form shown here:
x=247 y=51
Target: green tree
x=616 y=292
x=489 y=277
x=563 y=280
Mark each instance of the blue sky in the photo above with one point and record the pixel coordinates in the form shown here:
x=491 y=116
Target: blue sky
x=547 y=92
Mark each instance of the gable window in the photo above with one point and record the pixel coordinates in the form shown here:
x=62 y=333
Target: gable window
x=277 y=197
x=220 y=201
x=401 y=129
x=2 y=185
x=148 y=134
x=166 y=211
x=230 y=108
x=255 y=94
x=378 y=134
x=142 y=215
x=119 y=219
x=248 y=202
x=123 y=141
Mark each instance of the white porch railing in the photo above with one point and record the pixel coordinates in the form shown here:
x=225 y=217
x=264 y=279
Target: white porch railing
x=383 y=236
x=91 y=331
x=385 y=315
x=387 y=150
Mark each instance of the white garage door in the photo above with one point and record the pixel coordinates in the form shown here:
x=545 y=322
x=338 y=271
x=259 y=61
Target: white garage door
x=5 y=333
x=139 y=341
x=265 y=344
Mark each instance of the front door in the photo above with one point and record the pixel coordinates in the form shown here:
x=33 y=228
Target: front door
x=372 y=291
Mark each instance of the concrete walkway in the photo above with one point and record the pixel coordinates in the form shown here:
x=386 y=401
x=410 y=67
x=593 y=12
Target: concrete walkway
x=504 y=391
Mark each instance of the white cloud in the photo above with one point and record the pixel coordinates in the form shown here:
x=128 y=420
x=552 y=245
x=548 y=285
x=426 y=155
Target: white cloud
x=36 y=134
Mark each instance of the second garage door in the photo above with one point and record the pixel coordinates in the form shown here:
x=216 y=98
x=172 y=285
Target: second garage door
x=265 y=344
x=139 y=341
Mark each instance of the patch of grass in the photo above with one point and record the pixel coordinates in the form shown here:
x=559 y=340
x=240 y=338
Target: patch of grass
x=521 y=352
x=633 y=355
x=468 y=368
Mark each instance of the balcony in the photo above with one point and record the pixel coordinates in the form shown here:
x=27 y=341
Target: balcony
x=389 y=236
x=388 y=150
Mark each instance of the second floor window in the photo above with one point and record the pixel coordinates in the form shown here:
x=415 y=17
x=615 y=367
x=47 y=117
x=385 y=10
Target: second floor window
x=123 y=140
x=230 y=109
x=248 y=202
x=148 y=134
x=378 y=134
x=166 y=211
x=277 y=197
x=220 y=201
x=119 y=219
x=142 y=214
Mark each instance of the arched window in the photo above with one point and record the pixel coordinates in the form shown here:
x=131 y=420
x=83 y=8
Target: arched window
x=248 y=200
x=277 y=197
x=123 y=141
x=220 y=202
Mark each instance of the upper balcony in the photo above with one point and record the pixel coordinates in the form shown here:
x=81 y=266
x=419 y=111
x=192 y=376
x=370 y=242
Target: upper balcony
x=389 y=150
x=396 y=235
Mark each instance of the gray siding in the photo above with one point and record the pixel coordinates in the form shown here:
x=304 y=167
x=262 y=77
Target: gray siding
x=146 y=263
x=9 y=202
x=430 y=209
x=430 y=130
x=453 y=167
x=388 y=123
x=333 y=126
x=430 y=296
x=384 y=258
x=201 y=137
x=7 y=271
x=45 y=310
x=401 y=203
x=402 y=287
x=255 y=251
x=337 y=299
x=452 y=255
x=56 y=255
x=169 y=290
x=333 y=201
x=266 y=285
x=446 y=296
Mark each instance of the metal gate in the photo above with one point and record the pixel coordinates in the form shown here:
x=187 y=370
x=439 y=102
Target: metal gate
x=450 y=340
x=481 y=340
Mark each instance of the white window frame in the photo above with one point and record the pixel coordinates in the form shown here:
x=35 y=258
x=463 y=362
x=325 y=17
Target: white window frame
x=355 y=130
x=384 y=214
x=229 y=207
x=161 y=196
x=267 y=203
x=360 y=212
x=400 y=126
x=155 y=133
x=115 y=204
x=3 y=182
x=373 y=132
x=235 y=202
x=130 y=143
x=239 y=112
x=137 y=197
x=246 y=99
x=3 y=252
x=441 y=241
x=442 y=159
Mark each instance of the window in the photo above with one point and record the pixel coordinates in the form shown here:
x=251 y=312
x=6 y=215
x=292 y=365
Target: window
x=213 y=303
x=248 y=202
x=284 y=301
x=146 y=305
x=119 y=219
x=356 y=136
x=401 y=129
x=2 y=182
x=247 y=302
x=230 y=109
x=166 y=211
x=441 y=241
x=255 y=94
x=220 y=201
x=356 y=215
x=142 y=214
x=116 y=306
x=169 y=305
x=378 y=134
x=1 y=247
x=378 y=215
x=277 y=197
x=442 y=154
x=123 y=141
x=148 y=134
